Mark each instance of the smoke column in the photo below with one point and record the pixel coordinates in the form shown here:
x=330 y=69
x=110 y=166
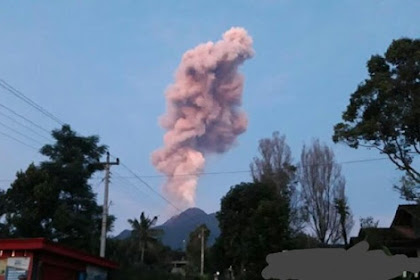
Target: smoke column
x=203 y=114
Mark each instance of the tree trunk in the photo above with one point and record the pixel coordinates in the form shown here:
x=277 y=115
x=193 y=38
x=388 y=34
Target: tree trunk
x=142 y=253
x=344 y=232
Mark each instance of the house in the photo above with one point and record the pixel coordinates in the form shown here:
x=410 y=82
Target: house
x=178 y=267
x=402 y=237
x=39 y=259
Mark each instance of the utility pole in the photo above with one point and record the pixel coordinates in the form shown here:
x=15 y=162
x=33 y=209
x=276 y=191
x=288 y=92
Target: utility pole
x=202 y=251
x=105 y=206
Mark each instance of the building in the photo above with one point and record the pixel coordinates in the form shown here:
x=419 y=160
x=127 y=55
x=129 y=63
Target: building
x=402 y=237
x=178 y=267
x=39 y=259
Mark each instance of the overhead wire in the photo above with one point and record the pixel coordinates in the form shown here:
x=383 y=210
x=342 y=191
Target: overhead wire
x=26 y=99
x=22 y=134
x=17 y=140
x=23 y=97
x=24 y=118
x=25 y=126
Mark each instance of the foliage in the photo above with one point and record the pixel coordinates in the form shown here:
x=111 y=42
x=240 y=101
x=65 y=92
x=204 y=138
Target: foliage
x=384 y=111
x=144 y=272
x=253 y=220
x=346 y=217
x=143 y=233
x=322 y=184
x=368 y=222
x=194 y=249
x=274 y=166
x=54 y=200
x=3 y=228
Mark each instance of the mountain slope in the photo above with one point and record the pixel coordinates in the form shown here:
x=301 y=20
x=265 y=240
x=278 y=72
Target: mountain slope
x=178 y=228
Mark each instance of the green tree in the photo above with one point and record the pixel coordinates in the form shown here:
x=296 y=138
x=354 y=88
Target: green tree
x=384 y=111
x=3 y=228
x=253 y=221
x=30 y=203
x=194 y=248
x=55 y=200
x=144 y=233
x=274 y=166
x=346 y=217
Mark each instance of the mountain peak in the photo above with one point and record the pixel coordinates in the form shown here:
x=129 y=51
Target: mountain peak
x=177 y=229
x=190 y=213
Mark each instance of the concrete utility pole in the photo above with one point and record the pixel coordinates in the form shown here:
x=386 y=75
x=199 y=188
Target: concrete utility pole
x=202 y=251
x=105 y=206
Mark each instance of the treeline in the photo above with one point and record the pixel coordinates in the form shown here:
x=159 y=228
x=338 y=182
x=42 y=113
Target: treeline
x=289 y=203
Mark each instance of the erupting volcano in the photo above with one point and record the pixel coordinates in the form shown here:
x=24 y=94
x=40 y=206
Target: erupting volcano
x=203 y=112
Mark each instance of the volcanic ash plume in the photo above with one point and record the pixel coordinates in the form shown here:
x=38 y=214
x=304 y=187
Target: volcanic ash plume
x=203 y=113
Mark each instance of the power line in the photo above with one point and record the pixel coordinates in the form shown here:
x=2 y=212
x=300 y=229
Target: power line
x=207 y=173
x=17 y=140
x=24 y=118
x=153 y=190
x=21 y=124
x=125 y=181
x=26 y=99
x=24 y=135
x=246 y=171
x=148 y=186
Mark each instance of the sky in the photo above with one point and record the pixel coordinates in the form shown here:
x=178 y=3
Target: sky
x=103 y=67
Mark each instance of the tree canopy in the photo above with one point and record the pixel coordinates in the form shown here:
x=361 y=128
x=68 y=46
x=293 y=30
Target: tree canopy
x=323 y=186
x=55 y=200
x=274 y=166
x=194 y=249
x=143 y=233
x=384 y=111
x=253 y=222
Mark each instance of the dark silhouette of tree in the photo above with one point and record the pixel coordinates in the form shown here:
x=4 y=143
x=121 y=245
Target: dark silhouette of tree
x=193 y=251
x=368 y=222
x=274 y=166
x=55 y=200
x=346 y=218
x=384 y=111
x=322 y=184
x=253 y=221
x=144 y=233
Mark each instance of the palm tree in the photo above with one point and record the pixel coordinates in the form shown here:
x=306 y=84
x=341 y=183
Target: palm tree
x=143 y=232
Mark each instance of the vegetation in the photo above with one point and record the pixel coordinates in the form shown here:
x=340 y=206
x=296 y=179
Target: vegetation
x=368 y=222
x=54 y=199
x=143 y=232
x=193 y=251
x=267 y=215
x=346 y=217
x=274 y=167
x=384 y=111
x=323 y=188
x=253 y=222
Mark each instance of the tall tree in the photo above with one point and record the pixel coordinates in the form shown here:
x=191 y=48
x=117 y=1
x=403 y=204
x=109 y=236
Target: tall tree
x=253 y=221
x=144 y=233
x=194 y=247
x=322 y=184
x=3 y=228
x=384 y=111
x=274 y=166
x=30 y=204
x=346 y=217
x=54 y=199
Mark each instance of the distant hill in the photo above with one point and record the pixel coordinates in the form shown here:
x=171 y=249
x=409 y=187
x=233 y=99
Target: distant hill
x=178 y=228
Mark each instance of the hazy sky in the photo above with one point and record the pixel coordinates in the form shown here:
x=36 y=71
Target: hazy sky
x=104 y=67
